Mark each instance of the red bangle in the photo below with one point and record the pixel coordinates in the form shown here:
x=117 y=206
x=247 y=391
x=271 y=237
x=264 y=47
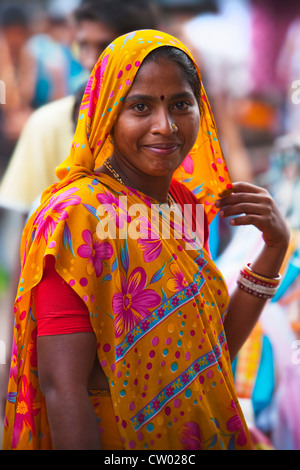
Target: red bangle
x=257 y=285
x=273 y=281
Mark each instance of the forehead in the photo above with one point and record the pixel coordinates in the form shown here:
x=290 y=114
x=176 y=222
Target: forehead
x=160 y=76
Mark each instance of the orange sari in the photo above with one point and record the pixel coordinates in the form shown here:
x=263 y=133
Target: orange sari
x=157 y=303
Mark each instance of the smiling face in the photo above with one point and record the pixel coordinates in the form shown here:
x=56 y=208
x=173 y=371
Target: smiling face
x=147 y=145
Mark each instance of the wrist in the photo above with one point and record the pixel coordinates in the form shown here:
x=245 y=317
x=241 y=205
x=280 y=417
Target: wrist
x=270 y=261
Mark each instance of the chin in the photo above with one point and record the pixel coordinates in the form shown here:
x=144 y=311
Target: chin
x=164 y=168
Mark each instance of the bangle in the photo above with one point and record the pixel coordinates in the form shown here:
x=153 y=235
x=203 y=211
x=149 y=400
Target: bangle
x=273 y=281
x=257 y=285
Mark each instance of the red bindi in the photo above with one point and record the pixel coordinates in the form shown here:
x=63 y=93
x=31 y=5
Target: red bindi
x=162 y=97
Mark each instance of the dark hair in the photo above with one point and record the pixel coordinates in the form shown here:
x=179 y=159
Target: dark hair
x=13 y=16
x=184 y=61
x=190 y=6
x=123 y=16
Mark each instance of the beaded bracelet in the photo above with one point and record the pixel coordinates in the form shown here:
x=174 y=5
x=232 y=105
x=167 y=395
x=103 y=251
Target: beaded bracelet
x=257 y=285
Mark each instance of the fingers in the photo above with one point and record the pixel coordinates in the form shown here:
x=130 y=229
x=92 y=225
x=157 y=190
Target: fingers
x=248 y=220
x=242 y=208
x=252 y=205
x=248 y=204
x=245 y=192
x=246 y=199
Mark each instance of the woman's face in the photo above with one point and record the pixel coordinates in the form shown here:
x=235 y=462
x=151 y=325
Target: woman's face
x=145 y=142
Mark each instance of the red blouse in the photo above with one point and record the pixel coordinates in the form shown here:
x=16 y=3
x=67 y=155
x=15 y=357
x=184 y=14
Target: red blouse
x=59 y=309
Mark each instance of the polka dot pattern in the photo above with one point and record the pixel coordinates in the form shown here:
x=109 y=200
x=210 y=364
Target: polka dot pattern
x=161 y=347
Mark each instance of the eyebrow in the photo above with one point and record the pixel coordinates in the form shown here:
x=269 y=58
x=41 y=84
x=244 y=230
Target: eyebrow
x=176 y=96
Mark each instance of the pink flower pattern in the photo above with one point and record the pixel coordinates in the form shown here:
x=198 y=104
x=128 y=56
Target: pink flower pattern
x=115 y=208
x=95 y=251
x=27 y=409
x=149 y=242
x=48 y=218
x=134 y=302
x=92 y=91
x=178 y=281
x=190 y=436
x=188 y=164
x=14 y=362
x=235 y=424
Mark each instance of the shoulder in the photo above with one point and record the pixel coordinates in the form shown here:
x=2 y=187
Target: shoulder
x=58 y=109
x=84 y=190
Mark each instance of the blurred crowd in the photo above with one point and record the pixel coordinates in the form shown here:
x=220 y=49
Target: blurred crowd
x=249 y=54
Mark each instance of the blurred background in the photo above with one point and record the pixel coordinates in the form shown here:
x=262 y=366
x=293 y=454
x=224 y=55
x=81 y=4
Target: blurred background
x=249 y=54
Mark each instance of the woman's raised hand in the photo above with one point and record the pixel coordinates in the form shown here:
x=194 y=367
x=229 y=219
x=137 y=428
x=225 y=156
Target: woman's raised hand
x=251 y=205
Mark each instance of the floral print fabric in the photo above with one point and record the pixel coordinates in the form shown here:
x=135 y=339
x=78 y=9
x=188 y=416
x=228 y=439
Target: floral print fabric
x=157 y=304
x=158 y=321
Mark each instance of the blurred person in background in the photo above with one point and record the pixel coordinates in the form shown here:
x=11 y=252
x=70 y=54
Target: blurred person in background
x=288 y=69
x=284 y=329
x=44 y=71
x=259 y=113
x=50 y=69
x=14 y=33
x=266 y=370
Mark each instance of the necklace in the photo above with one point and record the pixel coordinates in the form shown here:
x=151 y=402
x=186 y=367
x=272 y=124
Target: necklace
x=108 y=165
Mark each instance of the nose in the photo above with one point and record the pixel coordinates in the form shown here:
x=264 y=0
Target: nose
x=163 y=123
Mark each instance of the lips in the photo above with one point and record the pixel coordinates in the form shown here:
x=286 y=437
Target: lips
x=162 y=148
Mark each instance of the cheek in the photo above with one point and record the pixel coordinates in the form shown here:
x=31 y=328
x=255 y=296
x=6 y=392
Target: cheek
x=191 y=129
x=127 y=132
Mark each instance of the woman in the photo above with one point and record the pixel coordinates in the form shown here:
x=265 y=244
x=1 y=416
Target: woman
x=120 y=323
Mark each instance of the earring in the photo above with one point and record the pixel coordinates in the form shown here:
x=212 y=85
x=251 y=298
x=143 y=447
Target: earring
x=174 y=127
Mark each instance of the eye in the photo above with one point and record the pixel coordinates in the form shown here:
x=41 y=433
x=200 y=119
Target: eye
x=181 y=105
x=140 y=107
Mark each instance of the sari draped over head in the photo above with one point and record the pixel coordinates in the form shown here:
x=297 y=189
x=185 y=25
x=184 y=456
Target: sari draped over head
x=156 y=303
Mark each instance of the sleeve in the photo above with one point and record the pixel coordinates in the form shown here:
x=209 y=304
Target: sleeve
x=59 y=310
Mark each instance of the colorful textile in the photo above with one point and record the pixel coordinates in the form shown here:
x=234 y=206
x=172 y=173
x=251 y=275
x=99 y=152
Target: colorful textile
x=157 y=303
x=248 y=363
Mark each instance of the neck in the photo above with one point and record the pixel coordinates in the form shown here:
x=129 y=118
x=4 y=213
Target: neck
x=155 y=187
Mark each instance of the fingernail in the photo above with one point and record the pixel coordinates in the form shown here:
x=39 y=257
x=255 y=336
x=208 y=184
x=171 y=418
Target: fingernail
x=217 y=204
